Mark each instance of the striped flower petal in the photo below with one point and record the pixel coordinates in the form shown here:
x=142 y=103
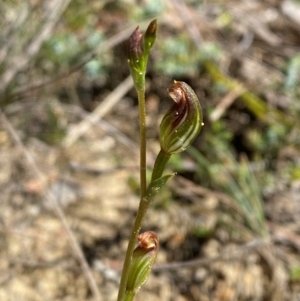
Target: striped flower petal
x=183 y=122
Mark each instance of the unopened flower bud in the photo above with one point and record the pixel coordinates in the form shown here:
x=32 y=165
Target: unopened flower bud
x=142 y=261
x=139 y=49
x=135 y=50
x=183 y=122
x=150 y=36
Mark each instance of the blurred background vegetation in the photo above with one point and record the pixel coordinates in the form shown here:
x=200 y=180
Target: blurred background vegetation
x=63 y=70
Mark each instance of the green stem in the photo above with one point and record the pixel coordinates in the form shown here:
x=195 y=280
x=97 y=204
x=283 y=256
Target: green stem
x=129 y=295
x=139 y=48
x=160 y=164
x=143 y=207
x=143 y=143
x=144 y=204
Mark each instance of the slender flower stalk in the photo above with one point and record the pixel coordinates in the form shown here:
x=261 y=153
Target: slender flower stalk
x=137 y=65
x=139 y=49
x=179 y=128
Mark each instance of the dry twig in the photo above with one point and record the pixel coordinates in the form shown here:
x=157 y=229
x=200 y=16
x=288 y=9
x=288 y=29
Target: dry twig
x=226 y=102
x=104 y=46
x=187 y=18
x=106 y=105
x=256 y=25
x=107 y=127
x=22 y=60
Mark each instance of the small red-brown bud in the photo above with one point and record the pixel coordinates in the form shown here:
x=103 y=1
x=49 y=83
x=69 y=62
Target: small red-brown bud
x=142 y=261
x=139 y=49
x=150 y=36
x=135 y=51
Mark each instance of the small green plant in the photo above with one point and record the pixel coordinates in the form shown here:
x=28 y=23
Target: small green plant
x=295 y=273
x=179 y=128
x=293 y=76
x=238 y=181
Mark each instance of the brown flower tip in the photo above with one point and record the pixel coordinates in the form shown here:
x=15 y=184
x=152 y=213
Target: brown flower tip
x=177 y=92
x=135 y=45
x=152 y=28
x=148 y=240
x=150 y=35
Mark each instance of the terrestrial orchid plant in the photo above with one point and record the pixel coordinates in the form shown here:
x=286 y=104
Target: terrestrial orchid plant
x=178 y=129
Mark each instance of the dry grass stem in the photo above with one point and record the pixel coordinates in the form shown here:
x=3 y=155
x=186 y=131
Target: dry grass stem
x=105 y=126
x=22 y=60
x=104 y=46
x=225 y=103
x=106 y=105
